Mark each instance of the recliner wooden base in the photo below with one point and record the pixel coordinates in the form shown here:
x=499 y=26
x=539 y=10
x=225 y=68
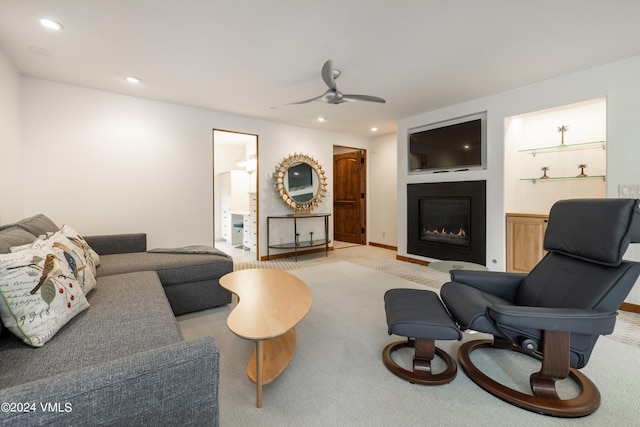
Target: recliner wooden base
x=545 y=399
x=425 y=350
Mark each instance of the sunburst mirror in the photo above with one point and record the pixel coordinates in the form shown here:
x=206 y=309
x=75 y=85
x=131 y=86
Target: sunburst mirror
x=300 y=182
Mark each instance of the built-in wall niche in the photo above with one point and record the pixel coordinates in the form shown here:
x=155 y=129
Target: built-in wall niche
x=555 y=154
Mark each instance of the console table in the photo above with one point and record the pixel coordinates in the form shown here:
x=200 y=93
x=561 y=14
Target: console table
x=297 y=243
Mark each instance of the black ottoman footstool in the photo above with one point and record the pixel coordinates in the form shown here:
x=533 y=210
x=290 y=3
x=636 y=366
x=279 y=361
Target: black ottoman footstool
x=420 y=316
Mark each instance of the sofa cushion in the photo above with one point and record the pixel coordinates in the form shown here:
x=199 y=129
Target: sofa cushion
x=129 y=314
x=173 y=269
x=118 y=243
x=39 y=294
x=37 y=225
x=14 y=236
x=194 y=249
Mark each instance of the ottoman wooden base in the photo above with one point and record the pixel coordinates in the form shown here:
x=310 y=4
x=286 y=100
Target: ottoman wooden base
x=425 y=350
x=420 y=316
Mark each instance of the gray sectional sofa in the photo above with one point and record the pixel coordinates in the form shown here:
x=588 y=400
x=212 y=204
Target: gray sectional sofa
x=189 y=275
x=122 y=361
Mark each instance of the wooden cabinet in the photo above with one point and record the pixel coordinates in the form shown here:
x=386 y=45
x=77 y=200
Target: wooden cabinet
x=525 y=238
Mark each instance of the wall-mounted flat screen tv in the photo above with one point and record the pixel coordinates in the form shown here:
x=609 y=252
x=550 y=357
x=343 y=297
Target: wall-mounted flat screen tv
x=453 y=145
x=300 y=176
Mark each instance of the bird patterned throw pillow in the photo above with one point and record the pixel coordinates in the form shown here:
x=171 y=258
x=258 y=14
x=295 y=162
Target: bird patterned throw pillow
x=76 y=252
x=39 y=293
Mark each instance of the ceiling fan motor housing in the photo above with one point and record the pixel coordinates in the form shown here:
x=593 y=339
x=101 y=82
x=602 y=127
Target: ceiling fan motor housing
x=332 y=97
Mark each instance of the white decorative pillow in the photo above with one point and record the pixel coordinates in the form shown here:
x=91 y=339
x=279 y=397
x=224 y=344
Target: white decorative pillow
x=20 y=248
x=75 y=253
x=91 y=256
x=38 y=294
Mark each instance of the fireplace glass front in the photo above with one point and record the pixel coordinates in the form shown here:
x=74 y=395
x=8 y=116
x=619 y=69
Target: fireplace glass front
x=445 y=220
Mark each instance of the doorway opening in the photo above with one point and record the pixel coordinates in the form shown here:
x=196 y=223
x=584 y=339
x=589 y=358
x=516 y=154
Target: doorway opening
x=349 y=196
x=235 y=194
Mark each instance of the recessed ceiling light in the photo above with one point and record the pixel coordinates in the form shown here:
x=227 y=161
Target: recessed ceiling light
x=321 y=119
x=374 y=129
x=133 y=79
x=51 y=24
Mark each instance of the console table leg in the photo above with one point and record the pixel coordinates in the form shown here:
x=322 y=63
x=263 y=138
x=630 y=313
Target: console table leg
x=326 y=236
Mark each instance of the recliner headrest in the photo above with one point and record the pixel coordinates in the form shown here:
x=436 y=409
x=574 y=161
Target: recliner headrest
x=595 y=230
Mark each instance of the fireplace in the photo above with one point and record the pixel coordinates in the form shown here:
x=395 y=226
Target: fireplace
x=447 y=220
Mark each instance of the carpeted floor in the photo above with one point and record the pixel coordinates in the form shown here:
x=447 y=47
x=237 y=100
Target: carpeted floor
x=336 y=377
x=627 y=325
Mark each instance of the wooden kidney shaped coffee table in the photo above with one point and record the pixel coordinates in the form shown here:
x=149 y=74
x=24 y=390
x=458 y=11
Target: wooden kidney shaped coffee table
x=270 y=304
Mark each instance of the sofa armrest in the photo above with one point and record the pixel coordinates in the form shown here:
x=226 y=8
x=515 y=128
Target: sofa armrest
x=163 y=387
x=118 y=243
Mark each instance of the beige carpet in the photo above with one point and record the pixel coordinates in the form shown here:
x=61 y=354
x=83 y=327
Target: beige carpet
x=376 y=258
x=337 y=378
x=384 y=260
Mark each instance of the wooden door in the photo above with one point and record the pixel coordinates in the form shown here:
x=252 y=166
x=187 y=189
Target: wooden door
x=349 y=197
x=525 y=238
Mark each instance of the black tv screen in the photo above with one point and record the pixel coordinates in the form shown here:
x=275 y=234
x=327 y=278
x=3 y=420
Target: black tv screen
x=454 y=145
x=300 y=176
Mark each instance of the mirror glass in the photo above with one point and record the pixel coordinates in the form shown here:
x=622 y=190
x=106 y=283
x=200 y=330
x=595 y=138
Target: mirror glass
x=300 y=182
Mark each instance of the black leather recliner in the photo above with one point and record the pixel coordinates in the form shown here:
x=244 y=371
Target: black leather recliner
x=557 y=312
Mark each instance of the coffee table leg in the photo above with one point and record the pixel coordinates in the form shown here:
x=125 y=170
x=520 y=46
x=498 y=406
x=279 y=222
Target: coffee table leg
x=259 y=357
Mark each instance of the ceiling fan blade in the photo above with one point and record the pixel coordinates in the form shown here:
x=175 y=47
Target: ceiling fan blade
x=317 y=98
x=368 y=98
x=327 y=75
x=333 y=95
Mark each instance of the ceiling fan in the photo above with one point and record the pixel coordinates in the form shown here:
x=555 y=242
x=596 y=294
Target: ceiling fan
x=333 y=95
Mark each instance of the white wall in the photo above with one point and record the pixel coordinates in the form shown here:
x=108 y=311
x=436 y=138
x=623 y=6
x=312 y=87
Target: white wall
x=11 y=183
x=382 y=194
x=107 y=163
x=617 y=82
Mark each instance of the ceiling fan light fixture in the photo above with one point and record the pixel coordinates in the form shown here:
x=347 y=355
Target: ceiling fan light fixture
x=51 y=24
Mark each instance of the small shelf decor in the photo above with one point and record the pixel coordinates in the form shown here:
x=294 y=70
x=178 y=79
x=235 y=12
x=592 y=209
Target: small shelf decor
x=544 y=170
x=562 y=129
x=582 y=174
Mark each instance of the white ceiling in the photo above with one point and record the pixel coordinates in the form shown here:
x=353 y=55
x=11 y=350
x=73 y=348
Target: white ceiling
x=253 y=57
